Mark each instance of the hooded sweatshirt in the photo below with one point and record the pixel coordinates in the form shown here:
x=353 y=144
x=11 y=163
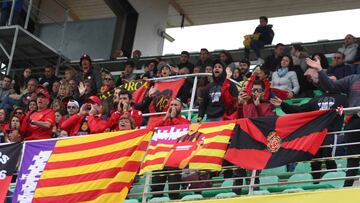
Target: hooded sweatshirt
x=215 y=97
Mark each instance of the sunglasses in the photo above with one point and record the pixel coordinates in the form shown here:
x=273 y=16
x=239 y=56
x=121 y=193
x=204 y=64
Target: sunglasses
x=260 y=90
x=71 y=107
x=18 y=112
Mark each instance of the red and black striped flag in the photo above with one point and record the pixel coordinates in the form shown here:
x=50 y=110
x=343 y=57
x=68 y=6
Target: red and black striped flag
x=269 y=142
x=9 y=155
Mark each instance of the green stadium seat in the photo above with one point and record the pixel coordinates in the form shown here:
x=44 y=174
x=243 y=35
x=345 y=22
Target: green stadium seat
x=183 y=194
x=159 y=199
x=274 y=171
x=341 y=163
x=334 y=183
x=303 y=167
x=226 y=195
x=131 y=201
x=213 y=193
x=192 y=197
x=295 y=101
x=317 y=93
x=268 y=180
x=300 y=177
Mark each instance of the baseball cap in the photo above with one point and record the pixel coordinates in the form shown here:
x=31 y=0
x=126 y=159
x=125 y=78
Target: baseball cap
x=73 y=103
x=93 y=99
x=42 y=91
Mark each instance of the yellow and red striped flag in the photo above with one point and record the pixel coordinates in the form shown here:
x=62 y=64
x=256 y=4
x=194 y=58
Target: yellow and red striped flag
x=203 y=147
x=216 y=139
x=95 y=168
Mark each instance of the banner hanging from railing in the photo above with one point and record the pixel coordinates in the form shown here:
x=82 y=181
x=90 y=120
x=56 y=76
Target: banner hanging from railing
x=97 y=167
x=9 y=156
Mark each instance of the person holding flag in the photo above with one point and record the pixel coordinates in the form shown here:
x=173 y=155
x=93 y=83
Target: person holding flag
x=349 y=85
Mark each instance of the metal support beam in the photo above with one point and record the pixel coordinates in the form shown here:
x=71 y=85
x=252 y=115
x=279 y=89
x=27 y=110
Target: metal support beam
x=11 y=12
x=181 y=11
x=12 y=50
x=28 y=14
x=4 y=50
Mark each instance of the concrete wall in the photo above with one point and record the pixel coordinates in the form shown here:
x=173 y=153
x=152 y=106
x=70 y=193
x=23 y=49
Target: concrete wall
x=93 y=37
x=152 y=16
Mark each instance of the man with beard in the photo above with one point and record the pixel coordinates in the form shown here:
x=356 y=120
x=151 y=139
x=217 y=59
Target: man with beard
x=38 y=125
x=220 y=96
x=173 y=115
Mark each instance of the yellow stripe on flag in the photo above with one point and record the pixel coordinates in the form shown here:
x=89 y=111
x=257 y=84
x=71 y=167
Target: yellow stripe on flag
x=89 y=138
x=96 y=151
x=100 y=184
x=219 y=138
x=219 y=128
x=116 y=163
x=150 y=168
x=150 y=157
x=211 y=152
x=208 y=166
x=161 y=145
x=111 y=197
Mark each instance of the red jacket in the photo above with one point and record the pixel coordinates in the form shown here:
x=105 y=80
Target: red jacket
x=72 y=124
x=229 y=100
x=34 y=132
x=168 y=122
x=267 y=87
x=136 y=115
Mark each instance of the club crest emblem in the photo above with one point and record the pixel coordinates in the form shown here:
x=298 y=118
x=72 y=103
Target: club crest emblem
x=274 y=142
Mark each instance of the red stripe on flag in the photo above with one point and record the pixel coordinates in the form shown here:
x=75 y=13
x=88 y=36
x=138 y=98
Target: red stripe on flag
x=287 y=124
x=216 y=124
x=4 y=186
x=83 y=196
x=311 y=142
x=252 y=130
x=100 y=143
x=206 y=159
x=153 y=162
x=215 y=145
x=240 y=157
x=94 y=159
x=131 y=166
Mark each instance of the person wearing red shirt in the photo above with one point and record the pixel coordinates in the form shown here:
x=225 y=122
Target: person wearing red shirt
x=172 y=117
x=87 y=121
x=38 y=125
x=124 y=108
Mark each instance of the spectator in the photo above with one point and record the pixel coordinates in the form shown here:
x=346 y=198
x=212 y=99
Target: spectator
x=173 y=115
x=220 y=96
x=329 y=100
x=57 y=105
x=49 y=77
x=74 y=90
x=244 y=66
x=5 y=88
x=197 y=69
x=89 y=73
x=87 y=121
x=12 y=132
x=125 y=107
x=284 y=82
x=299 y=54
x=184 y=61
x=3 y=119
x=274 y=60
x=165 y=71
x=21 y=82
x=339 y=69
x=150 y=69
x=204 y=60
x=227 y=59
x=85 y=90
x=128 y=74
x=72 y=108
x=265 y=36
x=30 y=92
x=55 y=89
x=31 y=107
x=261 y=74
x=349 y=48
x=136 y=59
x=126 y=122
x=107 y=92
x=350 y=86
x=70 y=74
x=256 y=105
x=56 y=131
x=38 y=125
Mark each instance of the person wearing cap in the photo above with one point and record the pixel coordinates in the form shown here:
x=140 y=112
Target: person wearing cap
x=124 y=107
x=72 y=108
x=219 y=98
x=88 y=72
x=173 y=115
x=87 y=121
x=184 y=61
x=39 y=124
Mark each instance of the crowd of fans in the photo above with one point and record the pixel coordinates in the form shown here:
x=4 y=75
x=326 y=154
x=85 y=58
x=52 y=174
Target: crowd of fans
x=90 y=102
